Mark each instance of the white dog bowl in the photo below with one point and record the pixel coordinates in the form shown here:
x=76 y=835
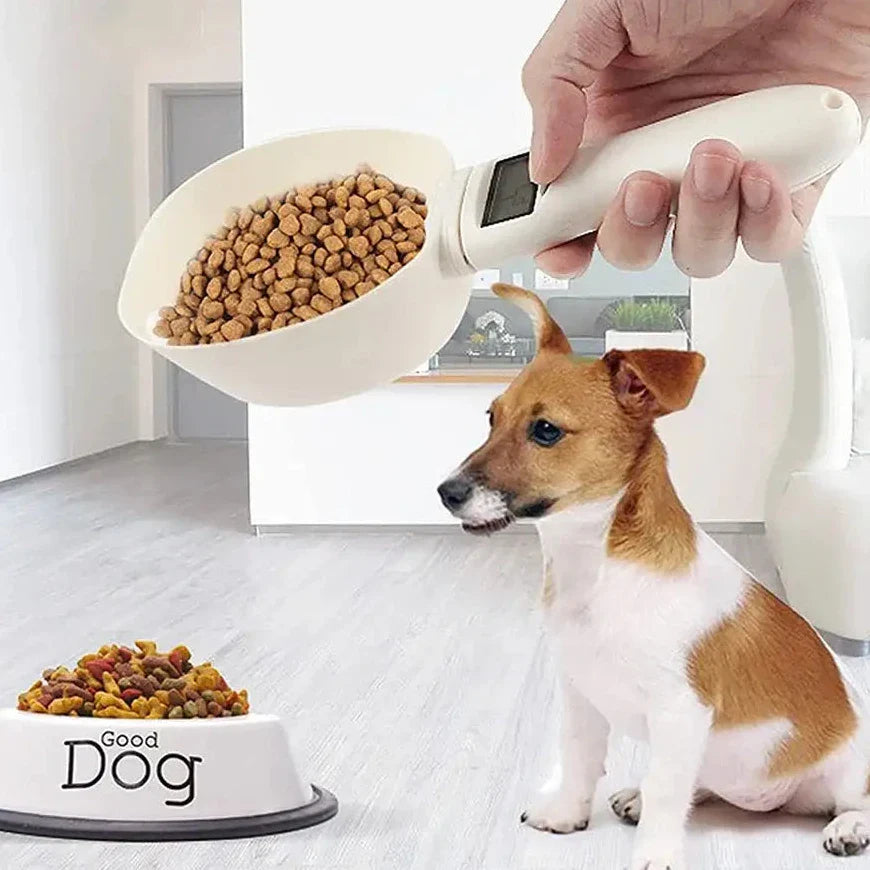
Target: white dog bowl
x=126 y=779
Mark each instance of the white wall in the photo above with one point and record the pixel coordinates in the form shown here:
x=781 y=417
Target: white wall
x=450 y=68
x=459 y=78
x=462 y=83
x=377 y=458
x=846 y=207
x=189 y=42
x=851 y=237
x=723 y=445
x=74 y=179
x=847 y=194
x=171 y=42
x=68 y=372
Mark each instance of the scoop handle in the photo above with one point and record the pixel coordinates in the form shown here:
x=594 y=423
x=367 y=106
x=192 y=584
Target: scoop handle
x=805 y=131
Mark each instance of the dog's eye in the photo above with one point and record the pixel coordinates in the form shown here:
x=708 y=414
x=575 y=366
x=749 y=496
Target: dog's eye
x=545 y=433
x=491 y=418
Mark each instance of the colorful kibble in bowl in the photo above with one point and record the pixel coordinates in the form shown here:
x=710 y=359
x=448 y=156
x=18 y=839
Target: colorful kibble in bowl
x=119 y=682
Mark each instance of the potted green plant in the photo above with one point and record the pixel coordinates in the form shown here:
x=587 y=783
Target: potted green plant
x=651 y=323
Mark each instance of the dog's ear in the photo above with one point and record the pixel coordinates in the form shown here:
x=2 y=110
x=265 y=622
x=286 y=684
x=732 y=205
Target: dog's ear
x=548 y=333
x=652 y=383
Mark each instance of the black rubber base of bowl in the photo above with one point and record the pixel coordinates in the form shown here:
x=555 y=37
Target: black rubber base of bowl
x=323 y=807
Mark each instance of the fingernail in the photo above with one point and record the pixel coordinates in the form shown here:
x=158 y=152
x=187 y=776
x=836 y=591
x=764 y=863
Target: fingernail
x=756 y=192
x=712 y=175
x=644 y=202
x=559 y=274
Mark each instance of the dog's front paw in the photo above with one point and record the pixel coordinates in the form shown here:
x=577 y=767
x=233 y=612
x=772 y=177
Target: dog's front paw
x=848 y=834
x=657 y=856
x=626 y=805
x=557 y=813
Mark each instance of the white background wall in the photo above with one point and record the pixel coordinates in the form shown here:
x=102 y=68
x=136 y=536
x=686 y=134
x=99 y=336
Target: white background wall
x=453 y=72
x=74 y=184
x=68 y=374
x=195 y=42
x=74 y=147
x=377 y=458
x=846 y=208
x=851 y=237
x=450 y=68
x=172 y=42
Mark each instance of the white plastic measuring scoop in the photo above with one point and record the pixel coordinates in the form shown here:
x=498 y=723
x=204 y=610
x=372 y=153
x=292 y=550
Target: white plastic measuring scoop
x=479 y=217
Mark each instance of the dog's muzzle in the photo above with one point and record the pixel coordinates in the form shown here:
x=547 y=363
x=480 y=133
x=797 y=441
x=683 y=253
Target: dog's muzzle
x=481 y=509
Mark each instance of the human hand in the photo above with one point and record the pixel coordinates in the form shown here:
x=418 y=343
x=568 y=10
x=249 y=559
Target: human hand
x=605 y=66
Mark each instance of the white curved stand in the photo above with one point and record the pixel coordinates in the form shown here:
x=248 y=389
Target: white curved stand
x=818 y=497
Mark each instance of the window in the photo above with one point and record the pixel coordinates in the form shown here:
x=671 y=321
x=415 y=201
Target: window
x=603 y=308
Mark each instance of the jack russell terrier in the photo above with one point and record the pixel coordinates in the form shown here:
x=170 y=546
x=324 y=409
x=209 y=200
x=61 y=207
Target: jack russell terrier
x=658 y=632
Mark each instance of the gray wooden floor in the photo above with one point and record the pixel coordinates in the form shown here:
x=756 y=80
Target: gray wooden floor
x=410 y=667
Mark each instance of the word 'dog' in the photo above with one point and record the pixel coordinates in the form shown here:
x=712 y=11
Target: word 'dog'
x=130 y=761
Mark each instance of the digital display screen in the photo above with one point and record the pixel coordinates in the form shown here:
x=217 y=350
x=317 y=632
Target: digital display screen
x=511 y=193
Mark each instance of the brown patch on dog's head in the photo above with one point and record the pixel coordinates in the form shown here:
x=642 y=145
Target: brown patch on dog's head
x=566 y=430
x=651 y=527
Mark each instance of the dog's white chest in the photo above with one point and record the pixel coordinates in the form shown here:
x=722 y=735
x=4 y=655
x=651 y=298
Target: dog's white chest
x=620 y=633
x=603 y=645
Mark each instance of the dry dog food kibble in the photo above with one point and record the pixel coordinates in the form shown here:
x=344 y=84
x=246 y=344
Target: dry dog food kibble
x=289 y=258
x=122 y=683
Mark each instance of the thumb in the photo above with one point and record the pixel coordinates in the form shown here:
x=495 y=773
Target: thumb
x=584 y=37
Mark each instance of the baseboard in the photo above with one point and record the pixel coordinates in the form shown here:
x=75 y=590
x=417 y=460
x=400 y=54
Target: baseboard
x=387 y=528
x=733 y=528
x=262 y=530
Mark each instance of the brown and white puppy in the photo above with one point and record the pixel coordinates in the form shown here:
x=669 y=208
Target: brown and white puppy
x=658 y=632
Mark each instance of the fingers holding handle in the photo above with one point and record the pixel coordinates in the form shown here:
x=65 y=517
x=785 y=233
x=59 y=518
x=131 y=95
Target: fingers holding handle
x=582 y=40
x=725 y=192
x=721 y=199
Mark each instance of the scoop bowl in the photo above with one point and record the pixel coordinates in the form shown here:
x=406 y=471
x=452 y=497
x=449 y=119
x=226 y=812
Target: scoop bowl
x=363 y=344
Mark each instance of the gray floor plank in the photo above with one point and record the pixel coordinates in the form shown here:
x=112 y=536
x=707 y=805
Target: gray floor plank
x=411 y=667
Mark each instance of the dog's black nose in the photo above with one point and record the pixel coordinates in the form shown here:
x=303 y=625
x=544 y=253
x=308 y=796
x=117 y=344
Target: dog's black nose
x=454 y=492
